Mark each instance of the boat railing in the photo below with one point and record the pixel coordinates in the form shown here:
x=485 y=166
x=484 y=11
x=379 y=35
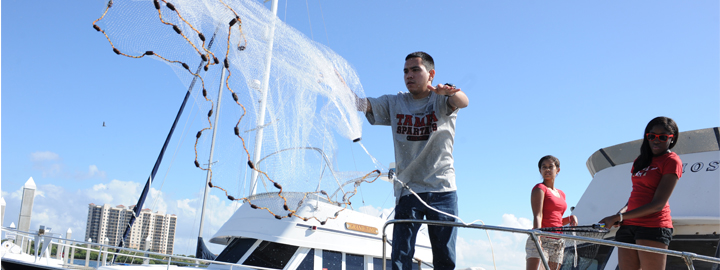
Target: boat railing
x=688 y=257
x=105 y=251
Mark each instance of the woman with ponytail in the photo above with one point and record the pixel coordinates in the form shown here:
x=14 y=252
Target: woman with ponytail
x=646 y=220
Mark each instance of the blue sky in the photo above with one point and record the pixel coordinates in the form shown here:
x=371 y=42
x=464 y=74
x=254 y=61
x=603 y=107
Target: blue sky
x=564 y=78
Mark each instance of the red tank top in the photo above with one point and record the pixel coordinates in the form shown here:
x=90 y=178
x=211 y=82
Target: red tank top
x=553 y=207
x=644 y=184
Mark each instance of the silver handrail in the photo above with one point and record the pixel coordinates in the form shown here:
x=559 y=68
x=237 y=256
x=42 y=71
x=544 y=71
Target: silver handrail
x=89 y=246
x=689 y=257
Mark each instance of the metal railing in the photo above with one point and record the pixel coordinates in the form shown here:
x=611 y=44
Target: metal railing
x=689 y=257
x=107 y=250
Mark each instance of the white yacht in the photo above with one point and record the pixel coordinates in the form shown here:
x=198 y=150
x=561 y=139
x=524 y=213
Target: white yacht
x=695 y=202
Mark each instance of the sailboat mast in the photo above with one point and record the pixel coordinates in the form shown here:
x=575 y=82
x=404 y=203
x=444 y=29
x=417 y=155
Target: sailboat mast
x=263 y=102
x=212 y=148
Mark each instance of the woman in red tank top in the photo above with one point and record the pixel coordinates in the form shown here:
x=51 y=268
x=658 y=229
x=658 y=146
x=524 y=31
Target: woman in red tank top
x=548 y=206
x=646 y=219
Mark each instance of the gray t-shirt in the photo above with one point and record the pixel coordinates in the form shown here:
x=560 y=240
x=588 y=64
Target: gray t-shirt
x=423 y=134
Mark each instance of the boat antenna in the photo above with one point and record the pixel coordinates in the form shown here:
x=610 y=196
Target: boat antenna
x=263 y=104
x=202 y=251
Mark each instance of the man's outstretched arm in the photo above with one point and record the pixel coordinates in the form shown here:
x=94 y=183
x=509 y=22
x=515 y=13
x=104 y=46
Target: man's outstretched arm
x=363 y=104
x=457 y=99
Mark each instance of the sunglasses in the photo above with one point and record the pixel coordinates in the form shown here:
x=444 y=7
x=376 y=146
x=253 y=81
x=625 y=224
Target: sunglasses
x=661 y=137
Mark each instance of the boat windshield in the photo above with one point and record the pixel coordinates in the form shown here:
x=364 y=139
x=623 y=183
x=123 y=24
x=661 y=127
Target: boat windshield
x=699 y=244
x=267 y=254
x=309 y=262
x=235 y=250
x=271 y=255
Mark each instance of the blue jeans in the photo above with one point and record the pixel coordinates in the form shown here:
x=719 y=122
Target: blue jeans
x=442 y=238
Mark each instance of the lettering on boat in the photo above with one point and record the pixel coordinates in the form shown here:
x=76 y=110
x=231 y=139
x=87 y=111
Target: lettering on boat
x=361 y=228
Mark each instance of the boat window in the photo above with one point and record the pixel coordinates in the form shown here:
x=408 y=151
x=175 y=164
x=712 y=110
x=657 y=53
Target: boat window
x=377 y=264
x=309 y=262
x=235 y=250
x=354 y=262
x=332 y=260
x=699 y=244
x=587 y=257
x=271 y=255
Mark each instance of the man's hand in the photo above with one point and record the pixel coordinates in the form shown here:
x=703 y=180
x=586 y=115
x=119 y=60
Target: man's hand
x=456 y=98
x=444 y=89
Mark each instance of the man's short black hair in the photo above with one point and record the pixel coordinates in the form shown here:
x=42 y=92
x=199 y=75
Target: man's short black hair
x=427 y=60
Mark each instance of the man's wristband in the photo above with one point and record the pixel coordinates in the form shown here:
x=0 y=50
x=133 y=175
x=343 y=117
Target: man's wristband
x=621 y=218
x=453 y=86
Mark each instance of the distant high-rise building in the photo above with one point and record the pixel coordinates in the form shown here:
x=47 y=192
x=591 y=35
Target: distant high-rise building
x=2 y=212
x=105 y=221
x=26 y=205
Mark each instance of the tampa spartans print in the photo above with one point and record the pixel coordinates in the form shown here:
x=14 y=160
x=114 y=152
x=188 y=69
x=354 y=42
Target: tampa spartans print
x=418 y=128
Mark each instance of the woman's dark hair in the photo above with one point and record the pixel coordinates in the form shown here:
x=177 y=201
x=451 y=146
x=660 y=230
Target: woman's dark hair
x=646 y=154
x=553 y=159
x=427 y=60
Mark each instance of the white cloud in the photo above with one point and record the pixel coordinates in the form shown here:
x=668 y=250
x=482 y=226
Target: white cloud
x=507 y=250
x=509 y=220
x=93 y=172
x=17 y=194
x=51 y=165
x=185 y=207
x=43 y=156
x=157 y=202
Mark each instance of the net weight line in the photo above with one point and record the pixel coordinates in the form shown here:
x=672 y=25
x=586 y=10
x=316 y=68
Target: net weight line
x=210 y=59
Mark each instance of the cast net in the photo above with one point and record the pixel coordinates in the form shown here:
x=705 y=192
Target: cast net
x=287 y=100
x=578 y=254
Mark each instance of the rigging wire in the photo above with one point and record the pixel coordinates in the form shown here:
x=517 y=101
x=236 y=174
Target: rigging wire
x=182 y=139
x=307 y=6
x=285 y=19
x=322 y=15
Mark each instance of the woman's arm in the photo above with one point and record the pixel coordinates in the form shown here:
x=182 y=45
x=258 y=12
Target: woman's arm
x=623 y=209
x=571 y=219
x=660 y=199
x=536 y=200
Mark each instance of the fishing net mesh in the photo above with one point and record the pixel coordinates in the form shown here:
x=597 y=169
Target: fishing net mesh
x=579 y=254
x=308 y=99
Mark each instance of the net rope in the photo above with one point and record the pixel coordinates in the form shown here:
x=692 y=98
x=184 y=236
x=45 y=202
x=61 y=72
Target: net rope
x=310 y=99
x=310 y=102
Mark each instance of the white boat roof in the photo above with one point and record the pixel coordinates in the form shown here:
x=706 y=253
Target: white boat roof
x=694 y=201
x=695 y=141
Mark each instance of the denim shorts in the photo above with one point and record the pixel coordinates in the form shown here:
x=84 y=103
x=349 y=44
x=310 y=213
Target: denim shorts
x=629 y=233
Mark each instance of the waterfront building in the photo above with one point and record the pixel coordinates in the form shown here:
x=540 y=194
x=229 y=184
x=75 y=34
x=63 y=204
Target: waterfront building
x=106 y=221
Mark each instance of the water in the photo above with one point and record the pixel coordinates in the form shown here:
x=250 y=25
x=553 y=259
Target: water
x=92 y=263
x=377 y=163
